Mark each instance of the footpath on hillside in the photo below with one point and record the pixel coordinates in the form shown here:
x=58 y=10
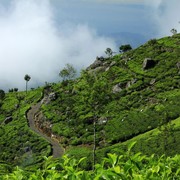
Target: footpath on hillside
x=57 y=149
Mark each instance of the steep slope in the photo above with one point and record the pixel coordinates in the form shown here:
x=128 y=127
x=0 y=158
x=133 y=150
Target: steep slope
x=126 y=95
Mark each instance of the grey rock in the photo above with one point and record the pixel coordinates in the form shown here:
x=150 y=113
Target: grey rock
x=96 y=64
x=113 y=63
x=129 y=83
x=117 y=88
x=152 y=81
x=178 y=65
x=102 y=120
x=52 y=96
x=148 y=63
x=8 y=120
x=107 y=69
x=100 y=69
x=16 y=106
x=27 y=149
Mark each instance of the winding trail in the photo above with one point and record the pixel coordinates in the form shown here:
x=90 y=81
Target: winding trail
x=57 y=149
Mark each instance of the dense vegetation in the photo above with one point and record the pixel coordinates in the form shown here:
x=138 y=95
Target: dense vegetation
x=114 y=102
x=123 y=99
x=18 y=144
x=125 y=166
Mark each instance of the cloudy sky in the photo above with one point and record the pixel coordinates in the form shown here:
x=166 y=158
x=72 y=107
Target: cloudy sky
x=38 y=37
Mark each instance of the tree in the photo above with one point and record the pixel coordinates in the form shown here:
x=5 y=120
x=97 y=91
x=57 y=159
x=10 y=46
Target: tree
x=109 y=52
x=125 y=48
x=166 y=127
x=68 y=72
x=2 y=94
x=94 y=99
x=174 y=31
x=27 y=78
x=15 y=89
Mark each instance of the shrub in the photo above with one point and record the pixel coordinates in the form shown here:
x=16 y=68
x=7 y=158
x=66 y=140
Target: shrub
x=2 y=94
x=125 y=48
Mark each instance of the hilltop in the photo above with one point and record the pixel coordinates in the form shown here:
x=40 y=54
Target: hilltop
x=132 y=96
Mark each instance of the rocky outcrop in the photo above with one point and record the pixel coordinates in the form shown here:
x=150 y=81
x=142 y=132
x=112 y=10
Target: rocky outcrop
x=148 y=63
x=48 y=98
x=97 y=63
x=100 y=65
x=101 y=58
x=52 y=96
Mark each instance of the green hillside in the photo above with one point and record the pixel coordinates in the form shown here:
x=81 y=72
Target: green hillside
x=15 y=134
x=132 y=96
x=124 y=99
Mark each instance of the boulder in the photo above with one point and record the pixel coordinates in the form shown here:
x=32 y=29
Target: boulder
x=52 y=96
x=152 y=81
x=102 y=120
x=178 y=65
x=117 y=88
x=8 y=120
x=129 y=83
x=16 y=106
x=112 y=63
x=148 y=63
x=27 y=149
x=107 y=69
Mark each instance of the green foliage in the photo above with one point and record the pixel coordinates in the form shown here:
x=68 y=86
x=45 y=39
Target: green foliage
x=152 y=42
x=2 y=94
x=13 y=90
x=68 y=72
x=16 y=136
x=174 y=31
x=144 y=108
x=124 y=166
x=27 y=79
x=134 y=110
x=109 y=52
x=125 y=48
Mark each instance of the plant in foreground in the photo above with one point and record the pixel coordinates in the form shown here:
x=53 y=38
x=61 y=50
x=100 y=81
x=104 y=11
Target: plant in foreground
x=126 y=167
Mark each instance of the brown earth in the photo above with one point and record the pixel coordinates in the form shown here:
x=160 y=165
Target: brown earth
x=57 y=150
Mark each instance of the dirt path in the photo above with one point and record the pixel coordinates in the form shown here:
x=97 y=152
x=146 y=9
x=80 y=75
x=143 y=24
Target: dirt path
x=57 y=149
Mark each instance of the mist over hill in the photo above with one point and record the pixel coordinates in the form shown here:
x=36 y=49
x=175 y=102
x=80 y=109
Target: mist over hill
x=40 y=37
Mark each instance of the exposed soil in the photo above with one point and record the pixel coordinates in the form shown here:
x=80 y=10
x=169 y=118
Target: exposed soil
x=56 y=148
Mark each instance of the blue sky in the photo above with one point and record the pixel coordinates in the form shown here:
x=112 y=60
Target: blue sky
x=106 y=17
x=38 y=37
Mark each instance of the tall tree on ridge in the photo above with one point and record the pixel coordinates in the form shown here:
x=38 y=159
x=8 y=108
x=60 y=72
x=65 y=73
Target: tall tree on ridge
x=27 y=78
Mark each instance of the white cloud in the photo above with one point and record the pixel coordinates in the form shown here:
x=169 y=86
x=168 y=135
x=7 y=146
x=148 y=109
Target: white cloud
x=32 y=43
x=166 y=14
